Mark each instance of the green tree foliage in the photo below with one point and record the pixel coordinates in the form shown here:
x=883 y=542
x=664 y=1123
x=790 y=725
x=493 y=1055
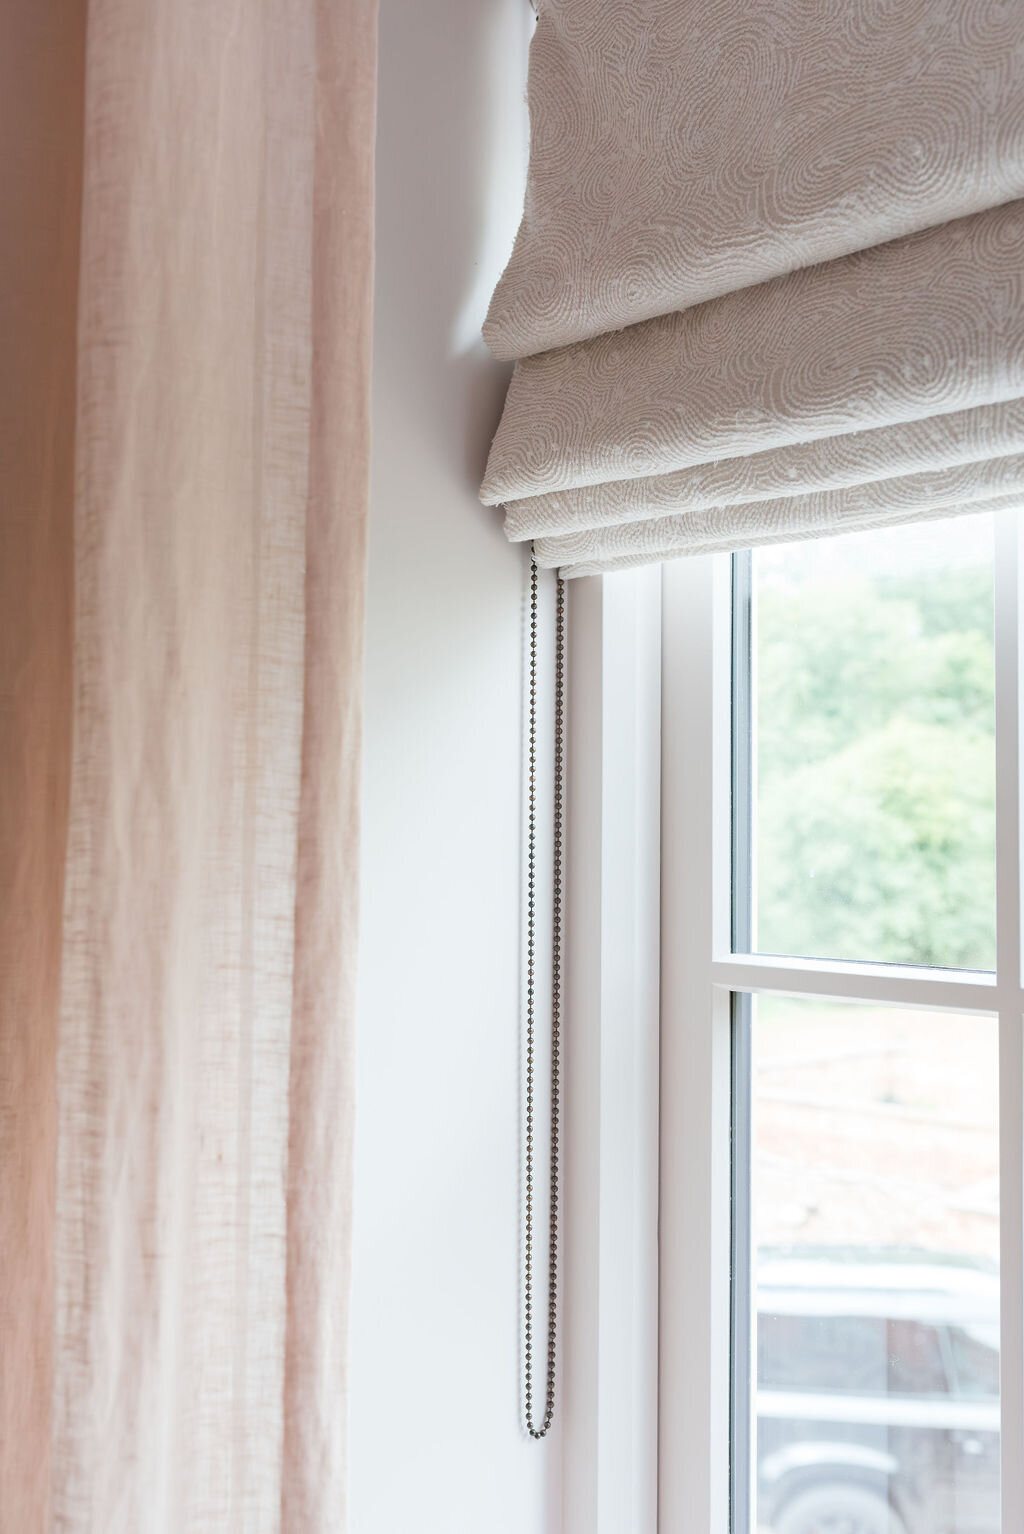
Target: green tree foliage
x=876 y=768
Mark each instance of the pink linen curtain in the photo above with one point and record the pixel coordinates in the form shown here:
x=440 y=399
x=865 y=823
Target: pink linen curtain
x=184 y=320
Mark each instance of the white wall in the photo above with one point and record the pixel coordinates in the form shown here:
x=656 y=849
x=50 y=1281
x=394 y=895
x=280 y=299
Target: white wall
x=437 y=1446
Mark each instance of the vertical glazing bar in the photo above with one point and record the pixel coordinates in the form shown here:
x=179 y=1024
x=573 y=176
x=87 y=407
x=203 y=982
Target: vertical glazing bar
x=742 y=752
x=742 y=1354
x=1008 y=971
x=743 y=1340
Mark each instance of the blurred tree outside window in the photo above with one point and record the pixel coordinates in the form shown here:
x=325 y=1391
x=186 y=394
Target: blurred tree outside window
x=875 y=751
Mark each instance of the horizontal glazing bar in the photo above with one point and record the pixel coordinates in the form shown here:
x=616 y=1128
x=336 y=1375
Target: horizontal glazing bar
x=890 y=984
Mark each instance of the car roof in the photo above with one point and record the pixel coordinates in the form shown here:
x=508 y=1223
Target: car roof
x=913 y=1290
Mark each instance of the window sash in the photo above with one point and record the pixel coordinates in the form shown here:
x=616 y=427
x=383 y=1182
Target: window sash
x=702 y=970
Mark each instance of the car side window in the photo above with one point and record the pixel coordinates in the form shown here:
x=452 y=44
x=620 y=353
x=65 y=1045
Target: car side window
x=975 y=1362
x=864 y=1355
x=915 y=1360
x=826 y=1353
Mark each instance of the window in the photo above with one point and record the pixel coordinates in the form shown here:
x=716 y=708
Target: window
x=841 y=1109
x=865 y=736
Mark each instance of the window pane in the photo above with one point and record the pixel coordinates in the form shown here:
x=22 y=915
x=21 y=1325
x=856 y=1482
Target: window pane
x=872 y=747
x=874 y=1216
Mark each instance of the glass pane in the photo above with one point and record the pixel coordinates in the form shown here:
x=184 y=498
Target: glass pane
x=871 y=730
x=874 y=1215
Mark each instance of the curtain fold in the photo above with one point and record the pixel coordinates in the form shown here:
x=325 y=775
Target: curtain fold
x=764 y=250
x=202 y=721
x=41 y=76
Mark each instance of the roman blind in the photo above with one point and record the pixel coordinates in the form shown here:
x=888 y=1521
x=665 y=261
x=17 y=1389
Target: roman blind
x=769 y=281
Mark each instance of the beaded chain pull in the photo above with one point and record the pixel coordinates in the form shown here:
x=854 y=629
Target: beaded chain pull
x=556 y=1003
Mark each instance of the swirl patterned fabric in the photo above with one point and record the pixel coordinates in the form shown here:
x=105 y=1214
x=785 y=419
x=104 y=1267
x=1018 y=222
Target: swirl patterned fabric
x=682 y=149
x=830 y=463
x=769 y=281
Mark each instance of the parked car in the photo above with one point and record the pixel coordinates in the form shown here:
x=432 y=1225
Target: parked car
x=877 y=1400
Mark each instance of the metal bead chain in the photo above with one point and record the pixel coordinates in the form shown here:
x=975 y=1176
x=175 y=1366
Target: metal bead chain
x=556 y=1002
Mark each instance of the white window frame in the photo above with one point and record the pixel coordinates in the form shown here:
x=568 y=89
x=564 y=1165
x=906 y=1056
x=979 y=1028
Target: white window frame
x=699 y=975
x=608 y=1352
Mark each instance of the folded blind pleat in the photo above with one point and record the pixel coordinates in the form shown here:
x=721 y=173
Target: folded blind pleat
x=830 y=463
x=900 y=499
x=682 y=149
x=746 y=533
x=922 y=326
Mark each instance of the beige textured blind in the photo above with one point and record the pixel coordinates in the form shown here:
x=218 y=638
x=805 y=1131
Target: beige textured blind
x=769 y=281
